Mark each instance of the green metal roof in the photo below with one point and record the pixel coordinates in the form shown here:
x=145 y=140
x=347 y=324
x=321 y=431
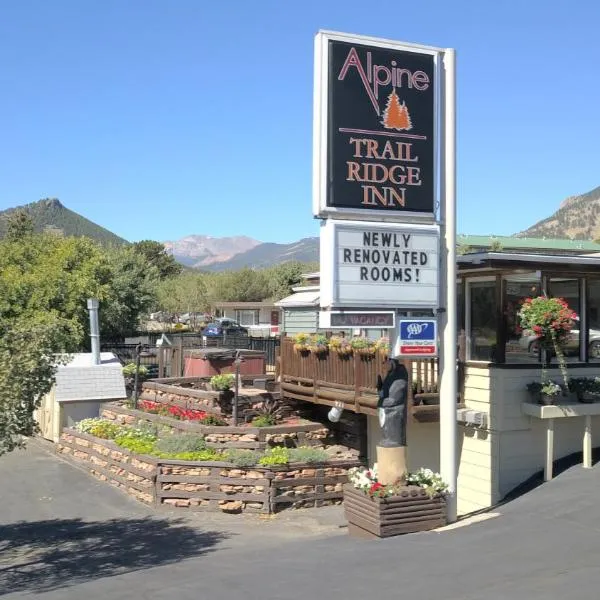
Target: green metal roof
x=509 y=242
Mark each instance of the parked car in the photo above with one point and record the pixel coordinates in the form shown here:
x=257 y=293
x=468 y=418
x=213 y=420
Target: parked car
x=529 y=341
x=224 y=328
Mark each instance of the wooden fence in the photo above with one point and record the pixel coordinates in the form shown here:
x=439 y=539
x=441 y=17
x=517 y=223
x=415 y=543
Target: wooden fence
x=329 y=378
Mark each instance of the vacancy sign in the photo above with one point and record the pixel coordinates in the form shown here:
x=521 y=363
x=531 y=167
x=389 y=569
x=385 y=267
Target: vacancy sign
x=379 y=265
x=417 y=338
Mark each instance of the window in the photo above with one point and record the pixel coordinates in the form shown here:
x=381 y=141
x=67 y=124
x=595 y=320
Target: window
x=247 y=318
x=568 y=289
x=521 y=346
x=481 y=326
x=594 y=320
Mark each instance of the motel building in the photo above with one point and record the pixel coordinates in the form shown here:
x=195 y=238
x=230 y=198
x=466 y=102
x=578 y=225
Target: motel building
x=504 y=436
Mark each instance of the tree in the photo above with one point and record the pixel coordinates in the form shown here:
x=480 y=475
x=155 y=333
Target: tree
x=19 y=224
x=185 y=293
x=395 y=115
x=283 y=277
x=45 y=281
x=245 y=285
x=130 y=291
x=156 y=255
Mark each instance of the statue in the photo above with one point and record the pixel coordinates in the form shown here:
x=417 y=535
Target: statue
x=393 y=392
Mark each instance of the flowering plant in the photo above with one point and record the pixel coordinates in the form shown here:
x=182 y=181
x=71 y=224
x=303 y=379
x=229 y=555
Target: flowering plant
x=427 y=479
x=548 y=318
x=366 y=480
x=551 y=320
x=550 y=388
x=169 y=410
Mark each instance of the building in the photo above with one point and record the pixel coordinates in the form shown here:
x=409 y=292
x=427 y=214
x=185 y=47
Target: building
x=504 y=243
x=504 y=436
x=261 y=318
x=81 y=387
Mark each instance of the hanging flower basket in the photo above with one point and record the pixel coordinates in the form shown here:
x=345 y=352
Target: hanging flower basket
x=319 y=345
x=302 y=343
x=551 y=320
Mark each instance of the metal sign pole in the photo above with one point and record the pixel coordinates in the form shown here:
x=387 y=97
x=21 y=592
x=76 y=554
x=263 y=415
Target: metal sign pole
x=448 y=317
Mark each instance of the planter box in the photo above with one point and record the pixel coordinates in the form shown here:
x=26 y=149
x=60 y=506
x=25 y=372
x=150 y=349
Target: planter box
x=411 y=511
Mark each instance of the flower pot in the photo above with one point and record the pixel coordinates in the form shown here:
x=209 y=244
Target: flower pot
x=410 y=511
x=546 y=399
x=588 y=397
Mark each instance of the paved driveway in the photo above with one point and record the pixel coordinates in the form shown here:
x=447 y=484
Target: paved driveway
x=64 y=535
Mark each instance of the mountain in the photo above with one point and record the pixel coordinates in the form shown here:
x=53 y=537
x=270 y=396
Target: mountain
x=51 y=214
x=268 y=254
x=578 y=217
x=201 y=251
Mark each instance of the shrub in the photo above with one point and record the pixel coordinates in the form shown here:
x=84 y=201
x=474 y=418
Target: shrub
x=242 y=458
x=212 y=420
x=222 y=382
x=264 y=421
x=208 y=454
x=177 y=443
x=107 y=430
x=306 y=454
x=136 y=445
x=275 y=456
x=144 y=432
x=129 y=370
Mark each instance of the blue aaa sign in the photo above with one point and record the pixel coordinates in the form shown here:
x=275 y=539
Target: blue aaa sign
x=417 y=337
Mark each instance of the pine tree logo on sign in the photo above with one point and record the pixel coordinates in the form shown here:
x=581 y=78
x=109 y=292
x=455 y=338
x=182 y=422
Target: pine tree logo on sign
x=396 y=115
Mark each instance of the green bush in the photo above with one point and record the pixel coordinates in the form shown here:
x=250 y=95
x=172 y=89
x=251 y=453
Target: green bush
x=107 y=430
x=307 y=454
x=212 y=420
x=129 y=370
x=137 y=446
x=222 y=382
x=142 y=433
x=275 y=456
x=207 y=454
x=264 y=421
x=242 y=458
x=180 y=442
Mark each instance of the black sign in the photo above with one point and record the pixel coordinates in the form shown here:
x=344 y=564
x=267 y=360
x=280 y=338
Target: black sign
x=364 y=320
x=381 y=129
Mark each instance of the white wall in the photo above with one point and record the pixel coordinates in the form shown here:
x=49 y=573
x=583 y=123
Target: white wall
x=512 y=448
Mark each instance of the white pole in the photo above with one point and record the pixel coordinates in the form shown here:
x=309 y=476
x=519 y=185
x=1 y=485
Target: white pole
x=448 y=319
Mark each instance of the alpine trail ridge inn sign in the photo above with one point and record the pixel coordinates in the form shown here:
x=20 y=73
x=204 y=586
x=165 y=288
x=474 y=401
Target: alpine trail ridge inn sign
x=375 y=128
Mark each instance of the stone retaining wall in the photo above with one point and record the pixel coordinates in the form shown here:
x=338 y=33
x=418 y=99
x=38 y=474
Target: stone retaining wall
x=207 y=485
x=108 y=462
x=253 y=438
x=172 y=391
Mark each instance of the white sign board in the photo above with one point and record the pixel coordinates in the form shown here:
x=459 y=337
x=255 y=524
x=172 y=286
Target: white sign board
x=378 y=266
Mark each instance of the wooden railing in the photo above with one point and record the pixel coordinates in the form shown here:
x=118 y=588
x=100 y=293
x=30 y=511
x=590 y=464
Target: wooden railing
x=329 y=378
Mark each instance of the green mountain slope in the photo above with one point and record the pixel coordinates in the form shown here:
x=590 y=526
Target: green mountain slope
x=51 y=214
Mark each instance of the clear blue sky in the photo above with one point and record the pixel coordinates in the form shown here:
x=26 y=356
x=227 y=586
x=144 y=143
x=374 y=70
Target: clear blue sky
x=162 y=118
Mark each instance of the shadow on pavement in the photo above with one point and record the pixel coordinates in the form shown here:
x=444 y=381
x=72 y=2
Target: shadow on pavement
x=45 y=555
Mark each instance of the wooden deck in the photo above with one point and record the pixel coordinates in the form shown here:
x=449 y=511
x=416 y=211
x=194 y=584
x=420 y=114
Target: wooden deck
x=329 y=378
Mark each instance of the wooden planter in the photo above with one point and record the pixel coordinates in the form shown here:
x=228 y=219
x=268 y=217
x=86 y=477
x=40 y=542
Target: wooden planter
x=411 y=511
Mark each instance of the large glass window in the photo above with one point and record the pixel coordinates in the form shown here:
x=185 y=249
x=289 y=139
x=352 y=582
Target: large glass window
x=482 y=321
x=568 y=289
x=594 y=320
x=521 y=346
